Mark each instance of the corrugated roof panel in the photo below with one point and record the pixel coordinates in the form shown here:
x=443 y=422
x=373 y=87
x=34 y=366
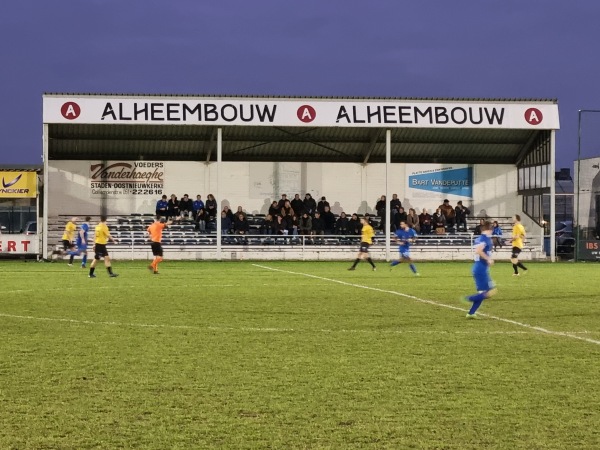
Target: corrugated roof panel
x=70 y=141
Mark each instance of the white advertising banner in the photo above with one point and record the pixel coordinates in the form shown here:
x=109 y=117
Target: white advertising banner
x=246 y=111
x=16 y=244
x=440 y=181
x=127 y=178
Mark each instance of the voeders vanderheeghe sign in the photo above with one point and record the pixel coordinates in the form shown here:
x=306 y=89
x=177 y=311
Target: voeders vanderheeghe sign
x=127 y=178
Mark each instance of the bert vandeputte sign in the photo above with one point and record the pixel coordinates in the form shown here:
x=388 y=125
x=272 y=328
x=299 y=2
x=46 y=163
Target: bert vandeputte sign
x=116 y=178
x=432 y=181
x=18 y=184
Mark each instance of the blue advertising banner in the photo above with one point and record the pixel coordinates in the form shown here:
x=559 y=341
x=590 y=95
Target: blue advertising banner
x=443 y=180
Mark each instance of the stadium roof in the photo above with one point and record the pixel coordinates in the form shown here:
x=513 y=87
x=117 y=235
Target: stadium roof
x=115 y=136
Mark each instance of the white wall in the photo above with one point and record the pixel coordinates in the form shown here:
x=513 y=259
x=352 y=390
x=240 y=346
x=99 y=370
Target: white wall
x=348 y=187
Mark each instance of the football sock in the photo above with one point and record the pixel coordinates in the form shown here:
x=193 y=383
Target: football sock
x=521 y=266
x=84 y=259
x=356 y=261
x=475 y=306
x=109 y=268
x=158 y=260
x=515 y=268
x=371 y=262
x=395 y=263
x=479 y=297
x=92 y=270
x=413 y=268
x=71 y=258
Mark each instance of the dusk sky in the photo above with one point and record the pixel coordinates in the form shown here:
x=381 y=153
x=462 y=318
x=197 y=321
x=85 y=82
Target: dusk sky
x=507 y=49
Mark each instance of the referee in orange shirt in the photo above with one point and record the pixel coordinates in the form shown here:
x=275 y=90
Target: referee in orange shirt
x=155 y=231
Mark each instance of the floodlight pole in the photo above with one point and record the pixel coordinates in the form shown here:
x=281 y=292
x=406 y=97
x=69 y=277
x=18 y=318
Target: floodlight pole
x=577 y=229
x=388 y=213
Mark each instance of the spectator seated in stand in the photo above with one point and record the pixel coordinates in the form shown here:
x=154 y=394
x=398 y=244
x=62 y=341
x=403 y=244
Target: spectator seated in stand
x=380 y=208
x=297 y=205
x=342 y=224
x=173 y=208
x=310 y=205
x=497 y=235
x=318 y=227
x=162 y=207
x=279 y=225
x=328 y=221
x=273 y=209
x=287 y=208
x=425 y=222
x=239 y=211
x=226 y=224
x=229 y=214
x=477 y=230
x=412 y=220
x=241 y=225
x=281 y=202
x=354 y=225
x=211 y=206
x=400 y=216
x=448 y=212
x=460 y=214
x=295 y=223
x=395 y=202
x=197 y=206
x=439 y=222
x=201 y=218
x=305 y=224
x=322 y=204
x=286 y=222
x=266 y=226
x=186 y=207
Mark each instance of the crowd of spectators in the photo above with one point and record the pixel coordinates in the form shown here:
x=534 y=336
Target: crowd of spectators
x=309 y=217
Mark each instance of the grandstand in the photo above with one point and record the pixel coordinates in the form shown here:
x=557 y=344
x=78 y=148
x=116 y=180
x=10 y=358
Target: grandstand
x=495 y=154
x=183 y=241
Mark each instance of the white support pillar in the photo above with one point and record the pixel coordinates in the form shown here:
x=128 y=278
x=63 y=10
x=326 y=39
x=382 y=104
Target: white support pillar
x=552 y=182
x=218 y=191
x=388 y=213
x=46 y=195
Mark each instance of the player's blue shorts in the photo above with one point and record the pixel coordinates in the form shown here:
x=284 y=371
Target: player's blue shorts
x=404 y=252
x=81 y=247
x=483 y=280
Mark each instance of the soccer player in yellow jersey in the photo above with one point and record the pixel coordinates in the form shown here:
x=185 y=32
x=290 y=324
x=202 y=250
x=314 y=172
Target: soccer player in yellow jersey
x=101 y=239
x=155 y=231
x=366 y=239
x=518 y=234
x=69 y=234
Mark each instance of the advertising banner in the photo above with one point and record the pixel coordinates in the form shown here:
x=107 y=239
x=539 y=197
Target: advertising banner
x=589 y=250
x=19 y=244
x=127 y=178
x=440 y=181
x=18 y=185
x=245 y=111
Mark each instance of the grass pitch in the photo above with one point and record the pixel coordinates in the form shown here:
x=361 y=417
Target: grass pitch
x=307 y=356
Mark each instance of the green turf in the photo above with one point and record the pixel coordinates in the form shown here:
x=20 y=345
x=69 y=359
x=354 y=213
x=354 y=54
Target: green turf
x=235 y=356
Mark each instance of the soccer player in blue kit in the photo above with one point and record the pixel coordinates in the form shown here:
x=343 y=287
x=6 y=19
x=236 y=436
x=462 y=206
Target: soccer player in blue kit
x=81 y=243
x=481 y=270
x=405 y=235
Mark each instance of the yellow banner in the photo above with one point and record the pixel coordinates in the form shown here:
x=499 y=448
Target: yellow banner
x=18 y=184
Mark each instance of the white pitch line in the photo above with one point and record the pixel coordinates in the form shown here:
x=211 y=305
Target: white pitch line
x=91 y=286
x=259 y=329
x=442 y=305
